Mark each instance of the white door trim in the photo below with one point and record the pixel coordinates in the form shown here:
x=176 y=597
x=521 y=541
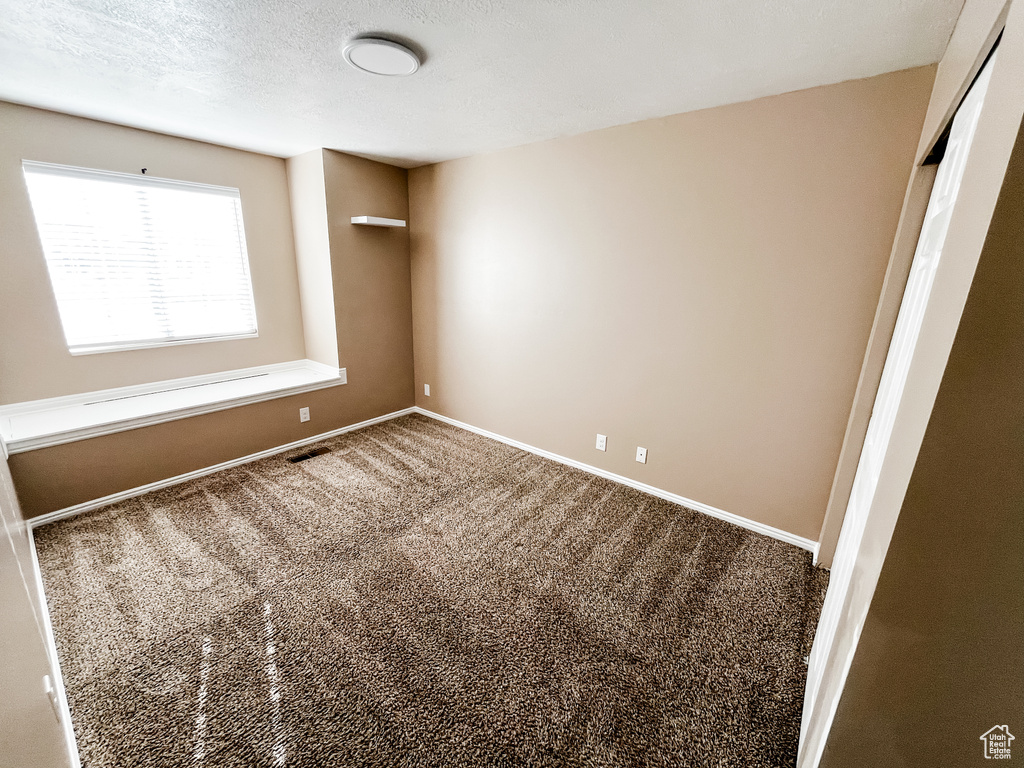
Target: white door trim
x=852 y=583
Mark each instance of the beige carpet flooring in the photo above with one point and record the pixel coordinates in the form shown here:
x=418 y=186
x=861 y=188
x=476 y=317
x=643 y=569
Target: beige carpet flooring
x=422 y=596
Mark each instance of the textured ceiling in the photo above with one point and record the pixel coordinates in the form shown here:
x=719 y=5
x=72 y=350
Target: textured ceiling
x=268 y=75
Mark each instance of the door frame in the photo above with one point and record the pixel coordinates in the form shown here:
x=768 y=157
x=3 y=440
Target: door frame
x=989 y=155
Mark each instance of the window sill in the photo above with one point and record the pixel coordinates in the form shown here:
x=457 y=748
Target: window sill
x=100 y=349
x=42 y=423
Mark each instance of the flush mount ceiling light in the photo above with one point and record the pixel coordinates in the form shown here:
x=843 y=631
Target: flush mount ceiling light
x=381 y=57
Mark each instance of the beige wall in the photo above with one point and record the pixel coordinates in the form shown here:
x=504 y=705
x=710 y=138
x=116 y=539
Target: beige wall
x=30 y=734
x=34 y=360
x=372 y=300
x=702 y=285
x=941 y=656
x=372 y=282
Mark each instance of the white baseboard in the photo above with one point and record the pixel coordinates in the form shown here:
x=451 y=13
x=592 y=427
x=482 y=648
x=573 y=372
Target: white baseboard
x=721 y=514
x=751 y=525
x=113 y=498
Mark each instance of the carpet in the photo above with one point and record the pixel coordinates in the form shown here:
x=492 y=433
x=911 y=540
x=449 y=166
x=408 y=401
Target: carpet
x=423 y=596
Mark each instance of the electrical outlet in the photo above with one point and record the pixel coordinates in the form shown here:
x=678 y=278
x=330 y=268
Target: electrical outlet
x=426 y=390
x=602 y=442
x=641 y=455
x=303 y=414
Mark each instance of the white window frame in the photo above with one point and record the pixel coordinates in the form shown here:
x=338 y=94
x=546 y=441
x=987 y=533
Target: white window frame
x=68 y=171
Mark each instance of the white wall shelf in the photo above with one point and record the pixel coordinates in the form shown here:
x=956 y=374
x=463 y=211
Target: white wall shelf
x=42 y=423
x=377 y=221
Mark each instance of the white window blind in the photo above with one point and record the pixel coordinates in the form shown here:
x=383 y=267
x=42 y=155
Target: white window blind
x=137 y=261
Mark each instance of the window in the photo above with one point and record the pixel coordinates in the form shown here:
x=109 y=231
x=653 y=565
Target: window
x=137 y=261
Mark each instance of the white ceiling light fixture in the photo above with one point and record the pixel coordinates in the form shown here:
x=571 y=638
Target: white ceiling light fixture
x=381 y=57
